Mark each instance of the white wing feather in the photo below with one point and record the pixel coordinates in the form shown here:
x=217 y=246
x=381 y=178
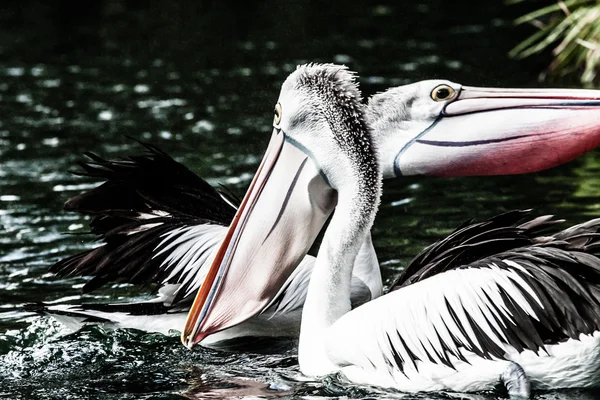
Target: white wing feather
x=429 y=321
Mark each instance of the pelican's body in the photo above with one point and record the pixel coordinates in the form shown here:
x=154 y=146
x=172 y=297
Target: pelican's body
x=570 y=364
x=526 y=300
x=499 y=302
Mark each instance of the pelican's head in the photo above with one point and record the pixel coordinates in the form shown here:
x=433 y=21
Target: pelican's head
x=441 y=128
x=320 y=145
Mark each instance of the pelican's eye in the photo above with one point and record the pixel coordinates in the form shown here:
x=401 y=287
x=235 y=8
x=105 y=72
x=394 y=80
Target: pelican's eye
x=442 y=92
x=277 y=117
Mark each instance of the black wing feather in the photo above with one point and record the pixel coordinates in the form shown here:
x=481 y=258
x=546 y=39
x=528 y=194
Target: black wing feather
x=561 y=269
x=143 y=198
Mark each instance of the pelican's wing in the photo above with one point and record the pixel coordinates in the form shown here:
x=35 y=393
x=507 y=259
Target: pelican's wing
x=521 y=299
x=474 y=241
x=158 y=220
x=161 y=223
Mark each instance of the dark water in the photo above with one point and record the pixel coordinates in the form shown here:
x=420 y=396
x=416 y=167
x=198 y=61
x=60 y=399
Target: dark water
x=199 y=80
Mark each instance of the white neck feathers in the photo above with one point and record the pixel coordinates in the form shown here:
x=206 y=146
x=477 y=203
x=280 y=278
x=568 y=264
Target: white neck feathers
x=328 y=296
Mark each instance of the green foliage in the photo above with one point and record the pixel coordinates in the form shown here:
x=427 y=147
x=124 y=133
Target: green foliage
x=573 y=27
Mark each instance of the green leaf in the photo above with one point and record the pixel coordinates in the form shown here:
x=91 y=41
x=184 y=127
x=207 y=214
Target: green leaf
x=564 y=31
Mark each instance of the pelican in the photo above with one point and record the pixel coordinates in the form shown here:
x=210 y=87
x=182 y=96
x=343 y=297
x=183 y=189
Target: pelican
x=497 y=302
x=162 y=224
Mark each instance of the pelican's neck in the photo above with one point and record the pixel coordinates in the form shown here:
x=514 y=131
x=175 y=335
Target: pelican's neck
x=328 y=296
x=366 y=268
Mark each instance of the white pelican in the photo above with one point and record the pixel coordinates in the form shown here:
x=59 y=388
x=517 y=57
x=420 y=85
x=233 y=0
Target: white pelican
x=162 y=224
x=495 y=303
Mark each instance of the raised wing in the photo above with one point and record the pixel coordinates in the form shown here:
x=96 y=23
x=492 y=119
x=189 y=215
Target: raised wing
x=158 y=220
x=161 y=223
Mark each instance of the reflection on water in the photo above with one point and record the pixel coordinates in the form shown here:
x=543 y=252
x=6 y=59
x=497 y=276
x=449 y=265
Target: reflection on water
x=234 y=388
x=199 y=79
